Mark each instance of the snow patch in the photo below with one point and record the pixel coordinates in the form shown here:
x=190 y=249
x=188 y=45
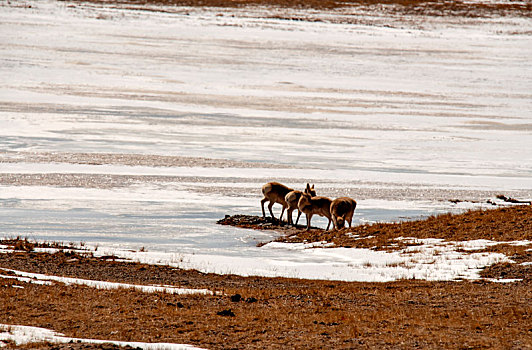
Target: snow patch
x=504 y=280
x=430 y=259
x=26 y=334
x=297 y=246
x=434 y=261
x=41 y=279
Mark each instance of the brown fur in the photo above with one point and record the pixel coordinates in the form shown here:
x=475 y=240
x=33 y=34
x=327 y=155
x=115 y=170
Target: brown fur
x=292 y=199
x=315 y=205
x=274 y=192
x=342 y=210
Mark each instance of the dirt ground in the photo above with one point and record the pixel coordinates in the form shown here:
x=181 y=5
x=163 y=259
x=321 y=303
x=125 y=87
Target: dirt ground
x=256 y=312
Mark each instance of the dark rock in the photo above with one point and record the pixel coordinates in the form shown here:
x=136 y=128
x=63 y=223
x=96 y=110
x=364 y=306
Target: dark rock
x=227 y=312
x=236 y=298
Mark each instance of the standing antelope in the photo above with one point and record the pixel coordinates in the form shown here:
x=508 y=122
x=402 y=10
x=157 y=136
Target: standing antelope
x=274 y=192
x=315 y=205
x=292 y=199
x=342 y=210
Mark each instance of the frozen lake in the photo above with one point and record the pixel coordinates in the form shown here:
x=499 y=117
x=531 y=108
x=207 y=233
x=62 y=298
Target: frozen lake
x=186 y=114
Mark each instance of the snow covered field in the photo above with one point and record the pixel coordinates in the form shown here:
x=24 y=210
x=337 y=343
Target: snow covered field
x=401 y=117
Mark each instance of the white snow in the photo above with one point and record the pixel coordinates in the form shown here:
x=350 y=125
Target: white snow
x=25 y=334
x=46 y=279
x=476 y=244
x=504 y=280
x=26 y=280
x=432 y=259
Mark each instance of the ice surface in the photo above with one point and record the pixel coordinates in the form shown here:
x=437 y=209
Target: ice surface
x=401 y=117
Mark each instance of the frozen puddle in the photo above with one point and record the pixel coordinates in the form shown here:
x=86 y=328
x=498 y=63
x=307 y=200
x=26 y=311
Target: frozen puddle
x=25 y=334
x=47 y=279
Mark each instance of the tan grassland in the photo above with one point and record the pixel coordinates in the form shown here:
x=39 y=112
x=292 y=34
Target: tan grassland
x=276 y=313
x=501 y=225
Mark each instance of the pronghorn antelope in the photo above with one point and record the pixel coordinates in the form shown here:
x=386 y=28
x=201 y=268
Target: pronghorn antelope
x=274 y=192
x=292 y=199
x=342 y=210
x=315 y=205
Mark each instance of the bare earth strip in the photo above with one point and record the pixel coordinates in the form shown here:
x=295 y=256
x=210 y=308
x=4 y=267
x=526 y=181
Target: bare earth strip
x=127 y=159
x=356 y=189
x=231 y=186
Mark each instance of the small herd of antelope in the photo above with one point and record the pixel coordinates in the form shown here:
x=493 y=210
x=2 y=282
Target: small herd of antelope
x=338 y=211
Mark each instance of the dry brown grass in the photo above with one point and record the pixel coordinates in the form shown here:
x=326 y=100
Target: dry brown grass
x=24 y=244
x=287 y=313
x=502 y=224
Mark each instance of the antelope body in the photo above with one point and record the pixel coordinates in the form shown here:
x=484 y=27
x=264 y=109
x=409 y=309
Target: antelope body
x=315 y=205
x=342 y=210
x=274 y=192
x=292 y=199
